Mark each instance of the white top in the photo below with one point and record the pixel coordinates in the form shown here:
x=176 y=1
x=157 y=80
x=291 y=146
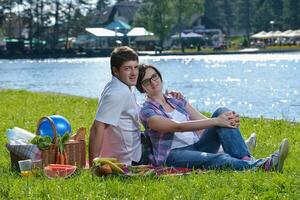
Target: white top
x=118 y=107
x=182 y=139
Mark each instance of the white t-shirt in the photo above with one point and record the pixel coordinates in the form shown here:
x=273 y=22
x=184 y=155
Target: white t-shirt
x=182 y=139
x=118 y=107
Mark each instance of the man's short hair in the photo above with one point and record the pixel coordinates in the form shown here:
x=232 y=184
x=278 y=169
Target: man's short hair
x=120 y=55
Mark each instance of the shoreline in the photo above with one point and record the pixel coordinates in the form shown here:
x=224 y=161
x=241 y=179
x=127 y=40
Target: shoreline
x=229 y=52
x=143 y=53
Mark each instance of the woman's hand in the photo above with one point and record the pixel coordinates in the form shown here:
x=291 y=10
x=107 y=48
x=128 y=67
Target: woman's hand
x=229 y=120
x=237 y=118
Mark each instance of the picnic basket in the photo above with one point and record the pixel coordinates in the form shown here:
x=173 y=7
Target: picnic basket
x=75 y=149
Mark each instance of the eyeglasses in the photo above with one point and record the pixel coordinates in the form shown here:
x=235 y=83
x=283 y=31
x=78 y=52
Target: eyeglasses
x=147 y=81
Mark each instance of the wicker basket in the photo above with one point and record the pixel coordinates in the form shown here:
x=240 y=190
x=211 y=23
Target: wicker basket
x=75 y=150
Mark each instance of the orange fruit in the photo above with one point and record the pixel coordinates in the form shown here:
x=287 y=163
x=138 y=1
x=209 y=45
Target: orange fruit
x=105 y=169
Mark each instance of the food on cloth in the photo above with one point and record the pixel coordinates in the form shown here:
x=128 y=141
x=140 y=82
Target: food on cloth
x=62 y=126
x=101 y=166
x=59 y=171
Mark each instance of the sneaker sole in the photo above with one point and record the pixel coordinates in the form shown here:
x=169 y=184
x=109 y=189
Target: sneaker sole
x=283 y=152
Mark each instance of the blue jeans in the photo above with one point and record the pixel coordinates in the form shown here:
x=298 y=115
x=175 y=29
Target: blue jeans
x=203 y=154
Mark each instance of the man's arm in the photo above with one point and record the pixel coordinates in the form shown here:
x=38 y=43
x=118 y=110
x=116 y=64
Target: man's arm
x=96 y=139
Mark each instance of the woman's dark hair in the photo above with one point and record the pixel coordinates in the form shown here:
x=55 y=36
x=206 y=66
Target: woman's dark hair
x=142 y=72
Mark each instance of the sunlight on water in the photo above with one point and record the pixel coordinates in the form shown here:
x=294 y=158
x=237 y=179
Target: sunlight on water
x=252 y=84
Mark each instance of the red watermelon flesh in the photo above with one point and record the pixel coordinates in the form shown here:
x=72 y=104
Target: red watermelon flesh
x=59 y=171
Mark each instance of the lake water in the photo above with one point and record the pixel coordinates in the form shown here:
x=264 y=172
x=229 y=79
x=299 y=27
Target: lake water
x=252 y=84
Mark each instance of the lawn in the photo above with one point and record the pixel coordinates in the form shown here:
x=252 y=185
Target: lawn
x=23 y=109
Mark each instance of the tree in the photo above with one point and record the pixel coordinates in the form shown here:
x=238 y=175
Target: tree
x=156 y=16
x=214 y=11
x=159 y=16
x=245 y=12
x=28 y=19
x=6 y=16
x=102 y=4
x=266 y=11
x=229 y=17
x=183 y=11
x=291 y=14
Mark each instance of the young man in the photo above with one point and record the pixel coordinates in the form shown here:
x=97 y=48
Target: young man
x=115 y=131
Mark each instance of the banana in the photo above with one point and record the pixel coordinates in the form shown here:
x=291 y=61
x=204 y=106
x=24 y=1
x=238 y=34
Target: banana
x=98 y=161
x=113 y=166
x=120 y=164
x=109 y=158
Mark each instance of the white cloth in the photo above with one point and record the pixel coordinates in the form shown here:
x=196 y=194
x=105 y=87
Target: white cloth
x=118 y=107
x=182 y=139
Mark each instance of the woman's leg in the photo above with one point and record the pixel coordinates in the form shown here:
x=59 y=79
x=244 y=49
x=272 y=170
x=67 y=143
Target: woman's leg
x=230 y=138
x=189 y=157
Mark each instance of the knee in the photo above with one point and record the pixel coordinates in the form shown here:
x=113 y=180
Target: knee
x=220 y=111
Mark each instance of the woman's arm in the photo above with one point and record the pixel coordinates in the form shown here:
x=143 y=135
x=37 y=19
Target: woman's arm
x=165 y=125
x=194 y=114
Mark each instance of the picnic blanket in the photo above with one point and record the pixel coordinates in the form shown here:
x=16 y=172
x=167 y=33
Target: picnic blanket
x=144 y=170
x=149 y=170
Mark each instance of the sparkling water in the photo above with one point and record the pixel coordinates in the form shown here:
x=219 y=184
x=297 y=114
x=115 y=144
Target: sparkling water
x=253 y=85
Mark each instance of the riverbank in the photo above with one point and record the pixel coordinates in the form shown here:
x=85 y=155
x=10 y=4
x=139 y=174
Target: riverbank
x=229 y=52
x=106 y=53
x=23 y=109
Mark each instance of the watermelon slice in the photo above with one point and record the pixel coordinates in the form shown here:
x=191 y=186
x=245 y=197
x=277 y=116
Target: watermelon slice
x=59 y=171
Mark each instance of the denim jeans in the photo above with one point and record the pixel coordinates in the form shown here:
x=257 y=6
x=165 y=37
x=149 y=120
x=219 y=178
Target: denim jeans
x=203 y=154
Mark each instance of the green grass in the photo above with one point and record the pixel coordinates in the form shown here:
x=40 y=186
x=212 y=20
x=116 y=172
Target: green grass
x=23 y=109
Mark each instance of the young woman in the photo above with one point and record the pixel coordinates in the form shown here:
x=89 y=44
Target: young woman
x=183 y=137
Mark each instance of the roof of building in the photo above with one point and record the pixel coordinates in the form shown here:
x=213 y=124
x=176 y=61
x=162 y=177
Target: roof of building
x=124 y=9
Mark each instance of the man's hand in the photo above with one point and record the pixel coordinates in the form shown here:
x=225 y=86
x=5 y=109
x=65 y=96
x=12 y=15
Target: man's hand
x=174 y=94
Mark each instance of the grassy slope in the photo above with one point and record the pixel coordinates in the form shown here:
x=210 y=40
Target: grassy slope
x=23 y=109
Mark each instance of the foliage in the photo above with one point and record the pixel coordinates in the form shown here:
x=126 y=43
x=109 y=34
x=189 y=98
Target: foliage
x=42 y=142
x=155 y=16
x=267 y=11
x=102 y=4
x=23 y=109
x=291 y=14
x=160 y=16
x=50 y=20
x=39 y=15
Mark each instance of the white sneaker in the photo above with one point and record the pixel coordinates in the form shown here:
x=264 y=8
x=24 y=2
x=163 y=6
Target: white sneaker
x=251 y=142
x=276 y=160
